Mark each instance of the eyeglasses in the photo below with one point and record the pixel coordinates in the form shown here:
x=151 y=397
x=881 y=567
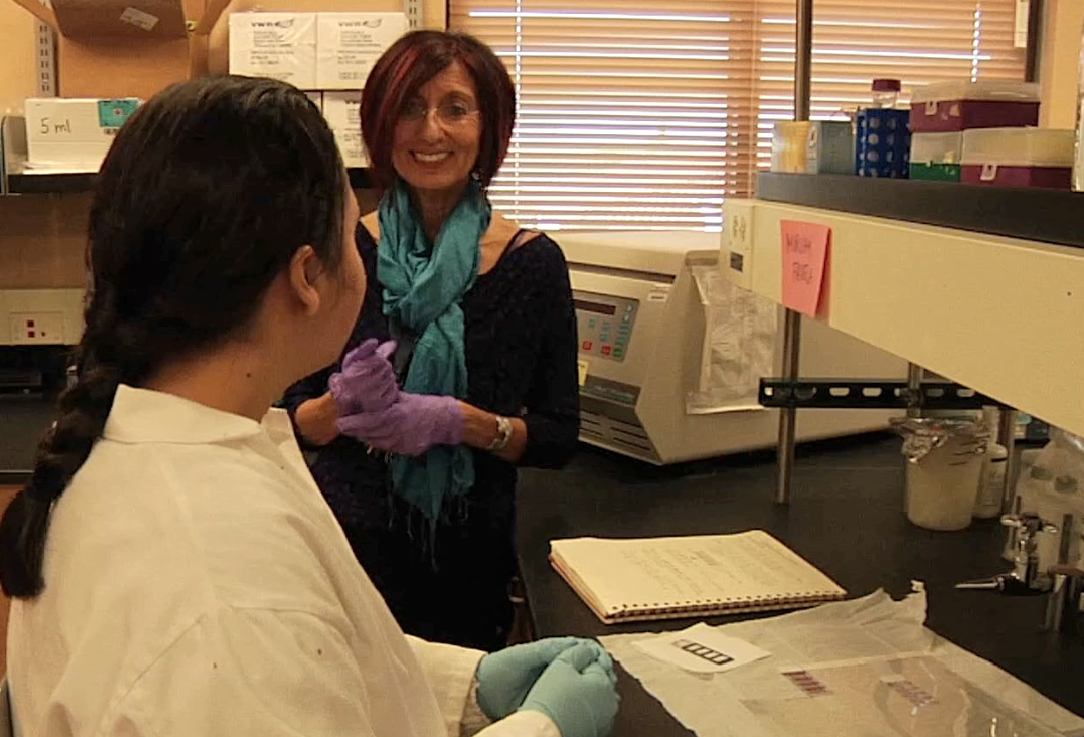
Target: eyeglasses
x=450 y=113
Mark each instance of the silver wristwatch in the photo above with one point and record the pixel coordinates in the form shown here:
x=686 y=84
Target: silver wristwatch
x=504 y=434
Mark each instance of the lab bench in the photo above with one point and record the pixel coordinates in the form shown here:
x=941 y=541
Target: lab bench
x=845 y=517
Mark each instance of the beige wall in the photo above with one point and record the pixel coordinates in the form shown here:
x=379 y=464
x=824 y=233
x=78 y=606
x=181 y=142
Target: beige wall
x=1060 y=61
x=16 y=55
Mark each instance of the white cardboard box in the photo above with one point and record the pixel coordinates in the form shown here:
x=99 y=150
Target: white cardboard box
x=277 y=45
x=70 y=134
x=348 y=44
x=343 y=113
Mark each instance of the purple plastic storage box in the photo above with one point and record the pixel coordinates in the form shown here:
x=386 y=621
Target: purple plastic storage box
x=1018 y=157
x=957 y=106
x=1017 y=176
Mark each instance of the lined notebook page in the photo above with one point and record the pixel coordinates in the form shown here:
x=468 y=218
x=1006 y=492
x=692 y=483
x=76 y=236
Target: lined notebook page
x=677 y=572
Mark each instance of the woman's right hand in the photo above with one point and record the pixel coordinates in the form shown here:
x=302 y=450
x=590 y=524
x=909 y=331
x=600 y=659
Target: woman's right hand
x=578 y=691
x=366 y=380
x=316 y=419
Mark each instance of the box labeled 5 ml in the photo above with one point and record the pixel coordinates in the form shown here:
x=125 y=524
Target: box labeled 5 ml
x=73 y=134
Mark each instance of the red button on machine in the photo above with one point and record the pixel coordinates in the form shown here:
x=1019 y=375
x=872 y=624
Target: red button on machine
x=588 y=345
x=605 y=350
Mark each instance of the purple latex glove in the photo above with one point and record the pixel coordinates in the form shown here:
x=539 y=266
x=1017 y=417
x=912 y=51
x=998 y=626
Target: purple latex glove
x=367 y=380
x=411 y=426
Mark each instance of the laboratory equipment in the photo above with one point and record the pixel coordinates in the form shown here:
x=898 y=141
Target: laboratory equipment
x=642 y=328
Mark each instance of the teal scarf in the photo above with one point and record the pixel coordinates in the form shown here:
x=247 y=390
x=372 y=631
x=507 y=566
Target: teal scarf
x=423 y=286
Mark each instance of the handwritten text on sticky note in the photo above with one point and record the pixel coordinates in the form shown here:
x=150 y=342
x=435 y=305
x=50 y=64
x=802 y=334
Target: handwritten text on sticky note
x=804 y=252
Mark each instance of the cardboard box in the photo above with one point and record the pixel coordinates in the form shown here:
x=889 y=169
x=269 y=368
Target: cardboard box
x=343 y=113
x=277 y=45
x=829 y=147
x=348 y=44
x=73 y=134
x=124 y=48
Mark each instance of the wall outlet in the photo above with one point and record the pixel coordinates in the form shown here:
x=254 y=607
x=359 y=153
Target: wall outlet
x=37 y=328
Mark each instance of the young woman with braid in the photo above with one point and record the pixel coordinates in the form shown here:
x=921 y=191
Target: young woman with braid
x=174 y=568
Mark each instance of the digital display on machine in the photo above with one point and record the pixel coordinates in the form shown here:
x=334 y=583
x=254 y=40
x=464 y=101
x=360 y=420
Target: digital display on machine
x=599 y=307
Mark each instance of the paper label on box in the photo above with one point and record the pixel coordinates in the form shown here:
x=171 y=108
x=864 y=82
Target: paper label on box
x=113 y=113
x=137 y=17
x=738 y=243
x=348 y=44
x=277 y=45
x=343 y=113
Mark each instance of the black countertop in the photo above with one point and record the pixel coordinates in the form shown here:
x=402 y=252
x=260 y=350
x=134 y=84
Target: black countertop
x=23 y=420
x=845 y=518
x=1045 y=215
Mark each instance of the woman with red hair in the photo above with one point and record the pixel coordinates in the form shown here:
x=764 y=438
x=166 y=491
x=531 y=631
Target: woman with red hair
x=476 y=316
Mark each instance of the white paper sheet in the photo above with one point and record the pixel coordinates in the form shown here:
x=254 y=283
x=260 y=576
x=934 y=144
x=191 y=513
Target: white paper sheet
x=852 y=640
x=738 y=345
x=701 y=649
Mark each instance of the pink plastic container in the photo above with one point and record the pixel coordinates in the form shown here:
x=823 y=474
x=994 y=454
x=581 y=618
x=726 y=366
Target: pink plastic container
x=957 y=106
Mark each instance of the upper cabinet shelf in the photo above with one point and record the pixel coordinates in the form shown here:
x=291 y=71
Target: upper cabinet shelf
x=17 y=179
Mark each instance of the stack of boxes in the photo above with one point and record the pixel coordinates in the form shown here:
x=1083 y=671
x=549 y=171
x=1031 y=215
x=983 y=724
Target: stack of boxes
x=112 y=54
x=328 y=54
x=984 y=133
x=119 y=52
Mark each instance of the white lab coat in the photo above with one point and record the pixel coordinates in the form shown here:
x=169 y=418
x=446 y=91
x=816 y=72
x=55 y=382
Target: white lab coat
x=197 y=584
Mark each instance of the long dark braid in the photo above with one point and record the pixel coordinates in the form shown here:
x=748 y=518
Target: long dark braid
x=206 y=194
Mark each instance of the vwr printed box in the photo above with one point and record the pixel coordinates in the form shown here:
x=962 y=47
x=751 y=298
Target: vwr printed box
x=343 y=113
x=317 y=51
x=277 y=45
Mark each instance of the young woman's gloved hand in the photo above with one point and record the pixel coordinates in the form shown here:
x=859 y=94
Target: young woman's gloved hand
x=506 y=676
x=577 y=692
x=410 y=426
x=366 y=381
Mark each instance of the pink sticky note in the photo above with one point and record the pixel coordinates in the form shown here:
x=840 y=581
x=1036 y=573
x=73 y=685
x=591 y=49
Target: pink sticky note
x=804 y=252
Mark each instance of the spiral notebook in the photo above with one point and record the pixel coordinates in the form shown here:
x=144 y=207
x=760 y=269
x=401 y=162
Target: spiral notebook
x=677 y=577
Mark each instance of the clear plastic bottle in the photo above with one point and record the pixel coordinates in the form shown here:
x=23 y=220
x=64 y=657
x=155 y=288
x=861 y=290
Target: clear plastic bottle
x=886 y=92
